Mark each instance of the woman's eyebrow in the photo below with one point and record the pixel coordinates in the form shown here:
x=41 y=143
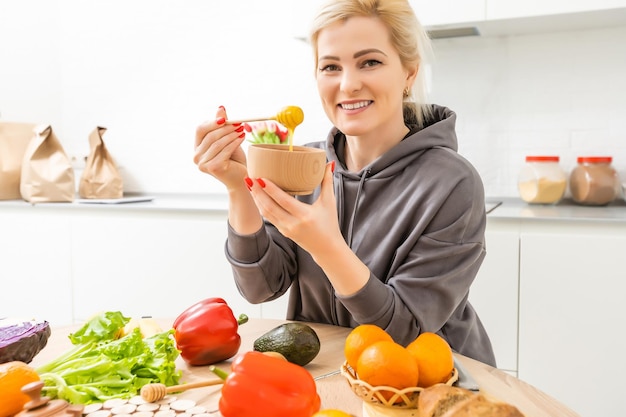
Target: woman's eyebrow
x=330 y=57
x=356 y=54
x=368 y=51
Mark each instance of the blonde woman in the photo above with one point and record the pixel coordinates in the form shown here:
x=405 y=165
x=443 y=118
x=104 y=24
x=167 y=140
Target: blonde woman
x=395 y=234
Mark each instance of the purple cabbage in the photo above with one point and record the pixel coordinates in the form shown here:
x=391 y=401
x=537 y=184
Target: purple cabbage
x=21 y=342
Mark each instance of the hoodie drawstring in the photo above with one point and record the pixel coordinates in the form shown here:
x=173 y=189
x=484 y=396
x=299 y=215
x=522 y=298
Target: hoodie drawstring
x=356 y=205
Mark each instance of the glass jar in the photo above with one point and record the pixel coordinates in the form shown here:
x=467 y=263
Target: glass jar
x=594 y=181
x=542 y=180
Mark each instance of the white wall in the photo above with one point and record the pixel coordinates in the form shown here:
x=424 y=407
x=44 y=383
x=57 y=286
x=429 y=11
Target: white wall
x=557 y=93
x=151 y=70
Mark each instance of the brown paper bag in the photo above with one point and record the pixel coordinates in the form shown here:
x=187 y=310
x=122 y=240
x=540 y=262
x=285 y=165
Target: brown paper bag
x=47 y=173
x=101 y=178
x=14 y=138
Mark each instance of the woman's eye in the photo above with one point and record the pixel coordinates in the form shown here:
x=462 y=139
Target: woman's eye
x=371 y=63
x=330 y=67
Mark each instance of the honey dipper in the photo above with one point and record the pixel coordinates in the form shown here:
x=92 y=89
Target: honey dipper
x=156 y=392
x=289 y=116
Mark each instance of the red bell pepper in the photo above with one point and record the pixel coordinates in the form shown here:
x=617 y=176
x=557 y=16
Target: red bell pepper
x=207 y=332
x=261 y=385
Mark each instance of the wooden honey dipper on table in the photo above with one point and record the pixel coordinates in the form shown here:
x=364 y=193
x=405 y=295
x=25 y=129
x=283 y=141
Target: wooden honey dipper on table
x=156 y=392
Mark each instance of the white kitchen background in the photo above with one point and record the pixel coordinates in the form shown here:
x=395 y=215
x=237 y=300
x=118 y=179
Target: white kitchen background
x=150 y=71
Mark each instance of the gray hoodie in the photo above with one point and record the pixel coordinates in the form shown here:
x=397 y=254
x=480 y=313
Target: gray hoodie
x=415 y=216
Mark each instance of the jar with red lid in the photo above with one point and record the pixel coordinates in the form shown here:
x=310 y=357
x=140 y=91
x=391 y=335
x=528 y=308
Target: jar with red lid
x=542 y=180
x=594 y=181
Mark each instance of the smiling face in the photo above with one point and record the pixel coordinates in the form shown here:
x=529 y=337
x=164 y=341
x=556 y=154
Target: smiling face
x=360 y=77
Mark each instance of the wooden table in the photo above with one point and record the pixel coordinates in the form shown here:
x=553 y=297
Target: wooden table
x=333 y=388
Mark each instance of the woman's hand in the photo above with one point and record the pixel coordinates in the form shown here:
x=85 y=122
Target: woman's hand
x=218 y=151
x=315 y=228
x=311 y=226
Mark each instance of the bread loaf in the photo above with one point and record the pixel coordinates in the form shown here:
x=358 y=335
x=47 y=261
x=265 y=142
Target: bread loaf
x=437 y=399
x=479 y=406
x=448 y=401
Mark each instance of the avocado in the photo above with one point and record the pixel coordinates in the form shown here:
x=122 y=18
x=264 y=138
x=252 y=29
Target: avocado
x=297 y=342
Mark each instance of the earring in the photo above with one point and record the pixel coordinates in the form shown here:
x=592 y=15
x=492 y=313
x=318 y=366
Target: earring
x=405 y=92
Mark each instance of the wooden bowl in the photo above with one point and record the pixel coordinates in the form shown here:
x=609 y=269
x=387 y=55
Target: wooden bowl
x=297 y=172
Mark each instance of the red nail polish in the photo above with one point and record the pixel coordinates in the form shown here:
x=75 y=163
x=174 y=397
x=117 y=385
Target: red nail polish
x=243 y=135
x=236 y=124
x=220 y=120
x=332 y=166
x=249 y=183
x=222 y=107
x=239 y=129
x=261 y=182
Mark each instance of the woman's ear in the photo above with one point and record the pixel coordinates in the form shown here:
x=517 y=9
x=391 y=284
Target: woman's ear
x=412 y=75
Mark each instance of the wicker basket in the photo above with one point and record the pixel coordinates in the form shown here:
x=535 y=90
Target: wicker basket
x=387 y=397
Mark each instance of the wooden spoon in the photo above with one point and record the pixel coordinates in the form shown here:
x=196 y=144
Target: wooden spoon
x=290 y=117
x=156 y=392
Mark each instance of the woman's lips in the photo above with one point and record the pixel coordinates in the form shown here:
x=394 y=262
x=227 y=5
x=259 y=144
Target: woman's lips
x=357 y=105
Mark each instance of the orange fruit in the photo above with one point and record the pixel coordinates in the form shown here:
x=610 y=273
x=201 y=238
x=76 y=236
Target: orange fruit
x=387 y=363
x=329 y=412
x=13 y=376
x=361 y=337
x=434 y=358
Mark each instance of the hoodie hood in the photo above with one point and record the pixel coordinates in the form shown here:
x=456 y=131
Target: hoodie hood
x=439 y=131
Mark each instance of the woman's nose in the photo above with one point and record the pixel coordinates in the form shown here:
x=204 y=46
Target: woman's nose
x=350 y=82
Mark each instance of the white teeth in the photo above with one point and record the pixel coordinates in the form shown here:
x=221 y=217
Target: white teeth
x=353 y=106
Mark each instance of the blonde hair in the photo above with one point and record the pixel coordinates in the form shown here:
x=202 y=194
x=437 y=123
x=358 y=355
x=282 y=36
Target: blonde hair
x=407 y=35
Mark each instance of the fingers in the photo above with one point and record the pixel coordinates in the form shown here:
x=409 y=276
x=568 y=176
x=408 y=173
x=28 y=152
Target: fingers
x=210 y=125
x=327 y=190
x=306 y=224
x=274 y=204
x=269 y=194
x=221 y=112
x=219 y=151
x=216 y=136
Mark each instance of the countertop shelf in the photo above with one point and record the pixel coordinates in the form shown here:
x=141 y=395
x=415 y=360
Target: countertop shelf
x=514 y=208
x=158 y=202
x=497 y=207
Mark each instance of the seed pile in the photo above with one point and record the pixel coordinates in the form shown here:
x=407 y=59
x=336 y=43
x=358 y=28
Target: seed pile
x=136 y=406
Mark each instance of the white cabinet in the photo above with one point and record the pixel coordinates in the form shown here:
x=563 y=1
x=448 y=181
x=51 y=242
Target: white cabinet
x=151 y=263
x=35 y=265
x=494 y=293
x=572 y=315
x=443 y=12
x=507 y=9
x=551 y=295
x=65 y=263
x=493 y=17
x=429 y=13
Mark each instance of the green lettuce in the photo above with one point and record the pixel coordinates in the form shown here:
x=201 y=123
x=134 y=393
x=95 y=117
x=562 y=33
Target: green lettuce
x=104 y=326
x=102 y=367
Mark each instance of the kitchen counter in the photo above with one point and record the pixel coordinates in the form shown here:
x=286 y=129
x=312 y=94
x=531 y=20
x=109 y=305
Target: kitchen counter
x=515 y=208
x=135 y=202
x=497 y=207
x=332 y=387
